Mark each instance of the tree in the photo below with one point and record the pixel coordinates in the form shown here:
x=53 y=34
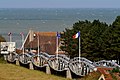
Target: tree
x=112 y=41
x=94 y=41
x=98 y=40
x=2 y=39
x=90 y=39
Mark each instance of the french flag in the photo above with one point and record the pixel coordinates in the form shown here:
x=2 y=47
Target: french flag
x=21 y=34
x=76 y=35
x=58 y=35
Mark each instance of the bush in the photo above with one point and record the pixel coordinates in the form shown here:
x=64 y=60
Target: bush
x=116 y=70
x=2 y=39
x=2 y=59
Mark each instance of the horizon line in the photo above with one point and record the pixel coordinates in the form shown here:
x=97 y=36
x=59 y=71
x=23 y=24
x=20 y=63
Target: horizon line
x=57 y=8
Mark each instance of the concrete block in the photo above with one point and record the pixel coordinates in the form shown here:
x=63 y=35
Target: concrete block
x=68 y=74
x=31 y=66
x=17 y=62
x=48 y=69
x=5 y=57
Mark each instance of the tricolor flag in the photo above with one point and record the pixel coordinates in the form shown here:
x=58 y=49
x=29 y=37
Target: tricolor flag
x=76 y=35
x=9 y=33
x=58 y=35
x=21 y=34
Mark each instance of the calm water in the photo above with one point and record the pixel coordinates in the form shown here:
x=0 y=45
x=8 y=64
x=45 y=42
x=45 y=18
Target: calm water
x=21 y=20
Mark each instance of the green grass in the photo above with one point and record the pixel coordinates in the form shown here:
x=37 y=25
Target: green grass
x=13 y=72
x=2 y=59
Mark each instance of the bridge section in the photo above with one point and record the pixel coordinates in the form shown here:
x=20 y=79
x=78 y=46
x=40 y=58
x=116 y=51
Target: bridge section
x=78 y=66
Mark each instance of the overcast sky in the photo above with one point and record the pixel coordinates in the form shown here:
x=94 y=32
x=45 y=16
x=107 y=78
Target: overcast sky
x=59 y=3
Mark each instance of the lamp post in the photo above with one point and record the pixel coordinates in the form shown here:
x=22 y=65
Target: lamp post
x=38 y=45
x=10 y=40
x=10 y=36
x=37 y=35
x=22 y=35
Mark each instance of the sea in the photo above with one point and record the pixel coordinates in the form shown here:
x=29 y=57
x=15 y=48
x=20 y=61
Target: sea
x=17 y=20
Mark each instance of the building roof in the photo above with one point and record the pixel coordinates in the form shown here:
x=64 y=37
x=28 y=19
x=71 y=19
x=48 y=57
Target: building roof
x=47 y=41
x=46 y=33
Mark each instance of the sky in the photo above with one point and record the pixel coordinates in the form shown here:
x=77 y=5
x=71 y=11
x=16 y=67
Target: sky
x=59 y=3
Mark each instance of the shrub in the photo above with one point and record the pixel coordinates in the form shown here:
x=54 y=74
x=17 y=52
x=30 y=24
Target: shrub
x=116 y=70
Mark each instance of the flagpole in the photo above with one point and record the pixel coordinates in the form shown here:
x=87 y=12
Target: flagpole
x=38 y=46
x=23 y=42
x=10 y=38
x=79 y=48
x=57 y=47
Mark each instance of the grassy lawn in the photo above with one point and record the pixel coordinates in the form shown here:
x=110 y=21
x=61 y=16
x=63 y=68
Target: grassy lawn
x=13 y=72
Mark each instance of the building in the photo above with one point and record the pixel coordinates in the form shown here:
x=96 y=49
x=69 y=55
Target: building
x=45 y=40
